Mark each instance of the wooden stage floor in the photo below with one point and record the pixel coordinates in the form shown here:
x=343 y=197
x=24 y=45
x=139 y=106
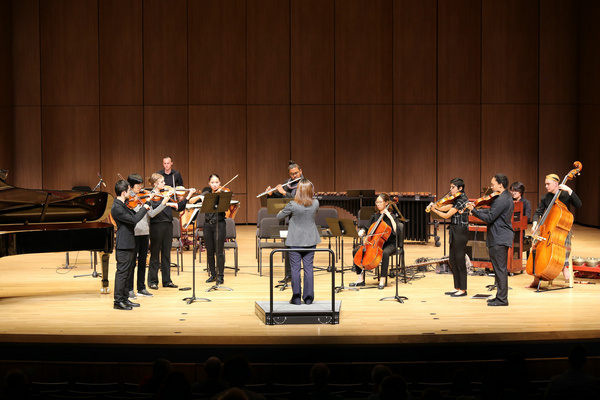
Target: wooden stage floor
x=43 y=305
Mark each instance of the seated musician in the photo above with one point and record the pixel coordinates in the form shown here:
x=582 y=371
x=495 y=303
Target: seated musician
x=382 y=204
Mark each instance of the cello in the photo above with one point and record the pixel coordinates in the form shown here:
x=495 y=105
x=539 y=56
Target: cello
x=548 y=252
x=369 y=254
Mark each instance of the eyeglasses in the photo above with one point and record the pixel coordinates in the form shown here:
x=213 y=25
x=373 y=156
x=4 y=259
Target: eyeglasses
x=380 y=202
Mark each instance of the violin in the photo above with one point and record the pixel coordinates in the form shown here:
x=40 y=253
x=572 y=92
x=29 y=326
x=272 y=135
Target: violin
x=222 y=188
x=485 y=200
x=447 y=199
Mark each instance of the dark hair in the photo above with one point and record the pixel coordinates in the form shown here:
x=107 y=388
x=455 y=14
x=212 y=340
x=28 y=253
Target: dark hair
x=384 y=196
x=121 y=186
x=214 y=176
x=518 y=186
x=502 y=179
x=169 y=157
x=293 y=165
x=134 y=179
x=459 y=183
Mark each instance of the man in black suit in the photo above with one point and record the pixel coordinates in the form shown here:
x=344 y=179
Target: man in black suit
x=126 y=220
x=500 y=235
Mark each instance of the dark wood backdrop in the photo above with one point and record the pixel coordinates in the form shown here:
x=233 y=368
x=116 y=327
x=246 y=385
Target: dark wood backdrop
x=393 y=95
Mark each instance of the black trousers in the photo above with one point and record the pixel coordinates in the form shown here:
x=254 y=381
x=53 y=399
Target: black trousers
x=499 y=257
x=459 y=235
x=161 y=238
x=215 y=247
x=142 y=244
x=125 y=262
x=388 y=250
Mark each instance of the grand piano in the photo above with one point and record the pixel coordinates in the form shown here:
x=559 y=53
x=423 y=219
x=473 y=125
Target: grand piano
x=45 y=221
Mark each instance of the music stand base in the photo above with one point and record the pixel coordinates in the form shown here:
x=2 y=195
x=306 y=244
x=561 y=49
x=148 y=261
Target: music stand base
x=340 y=288
x=282 y=286
x=398 y=298
x=190 y=300
x=217 y=287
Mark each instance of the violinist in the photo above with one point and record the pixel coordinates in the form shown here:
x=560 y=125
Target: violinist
x=126 y=220
x=215 y=246
x=382 y=204
x=172 y=178
x=161 y=234
x=142 y=240
x=459 y=234
x=500 y=235
x=567 y=197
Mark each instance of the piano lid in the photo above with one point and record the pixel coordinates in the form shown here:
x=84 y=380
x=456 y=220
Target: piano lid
x=28 y=206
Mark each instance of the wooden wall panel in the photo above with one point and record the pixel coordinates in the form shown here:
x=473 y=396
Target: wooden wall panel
x=414 y=157
x=312 y=51
x=363 y=52
x=557 y=143
x=363 y=150
x=558 y=52
x=121 y=69
x=166 y=133
x=589 y=56
x=69 y=52
x=71 y=146
x=313 y=144
x=26 y=52
x=27 y=164
x=459 y=148
x=7 y=150
x=588 y=183
x=6 y=39
x=510 y=38
x=218 y=146
x=217 y=51
x=165 y=52
x=459 y=52
x=268 y=141
x=415 y=55
x=509 y=137
x=121 y=144
x=268 y=51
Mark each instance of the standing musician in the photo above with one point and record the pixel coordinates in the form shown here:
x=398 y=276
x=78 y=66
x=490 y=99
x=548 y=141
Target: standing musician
x=500 y=235
x=459 y=234
x=142 y=240
x=172 y=178
x=126 y=220
x=389 y=247
x=287 y=190
x=568 y=197
x=303 y=236
x=215 y=246
x=161 y=235
x=517 y=189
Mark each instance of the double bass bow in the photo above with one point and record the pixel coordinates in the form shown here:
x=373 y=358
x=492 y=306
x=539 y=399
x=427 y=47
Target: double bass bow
x=548 y=252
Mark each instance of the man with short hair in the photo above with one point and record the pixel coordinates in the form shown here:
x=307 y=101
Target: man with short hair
x=172 y=178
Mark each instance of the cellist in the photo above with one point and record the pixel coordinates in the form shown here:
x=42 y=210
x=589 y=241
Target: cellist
x=459 y=234
x=381 y=207
x=567 y=197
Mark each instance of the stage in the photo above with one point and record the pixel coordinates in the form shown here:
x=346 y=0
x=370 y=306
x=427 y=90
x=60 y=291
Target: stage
x=45 y=310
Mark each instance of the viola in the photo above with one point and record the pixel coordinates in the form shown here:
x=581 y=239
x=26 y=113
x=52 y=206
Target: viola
x=548 y=251
x=369 y=255
x=485 y=200
x=447 y=199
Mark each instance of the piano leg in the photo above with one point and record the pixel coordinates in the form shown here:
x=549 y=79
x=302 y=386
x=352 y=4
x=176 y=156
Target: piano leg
x=105 y=288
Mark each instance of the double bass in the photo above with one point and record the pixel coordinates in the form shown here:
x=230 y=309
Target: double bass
x=548 y=252
x=369 y=254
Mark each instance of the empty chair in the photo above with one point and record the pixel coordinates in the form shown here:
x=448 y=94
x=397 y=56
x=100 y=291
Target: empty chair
x=262 y=213
x=177 y=245
x=231 y=243
x=268 y=238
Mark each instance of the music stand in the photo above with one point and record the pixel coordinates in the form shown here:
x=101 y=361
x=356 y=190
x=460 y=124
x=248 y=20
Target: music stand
x=216 y=203
x=362 y=193
x=435 y=216
x=274 y=205
x=339 y=228
x=192 y=220
x=397 y=297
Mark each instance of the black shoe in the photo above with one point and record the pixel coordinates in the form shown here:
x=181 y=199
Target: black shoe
x=354 y=284
x=491 y=300
x=220 y=280
x=382 y=285
x=171 y=285
x=144 y=293
x=131 y=303
x=122 y=306
x=458 y=295
x=497 y=303
x=295 y=300
x=450 y=293
x=308 y=301
x=285 y=280
x=211 y=278
x=154 y=286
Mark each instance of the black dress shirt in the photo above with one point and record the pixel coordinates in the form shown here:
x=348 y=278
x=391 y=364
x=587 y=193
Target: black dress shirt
x=498 y=219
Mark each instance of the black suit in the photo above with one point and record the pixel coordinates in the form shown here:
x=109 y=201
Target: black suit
x=126 y=220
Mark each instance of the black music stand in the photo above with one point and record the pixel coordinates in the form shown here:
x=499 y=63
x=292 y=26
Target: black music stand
x=339 y=228
x=216 y=203
x=193 y=298
x=397 y=297
x=274 y=205
x=362 y=193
